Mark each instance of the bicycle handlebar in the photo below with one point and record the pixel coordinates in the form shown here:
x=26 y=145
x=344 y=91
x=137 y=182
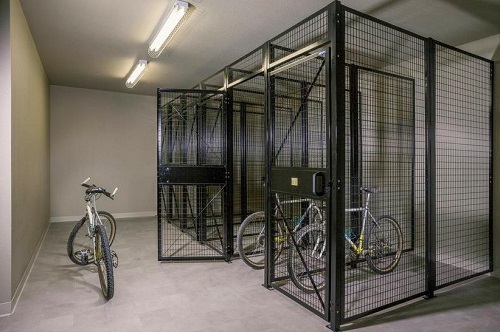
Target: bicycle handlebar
x=93 y=189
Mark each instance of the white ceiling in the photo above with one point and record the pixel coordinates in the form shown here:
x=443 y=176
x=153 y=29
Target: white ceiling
x=95 y=43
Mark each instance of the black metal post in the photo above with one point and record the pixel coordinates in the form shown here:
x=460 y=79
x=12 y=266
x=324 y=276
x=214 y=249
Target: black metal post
x=336 y=158
x=244 y=168
x=268 y=201
x=228 y=146
x=430 y=120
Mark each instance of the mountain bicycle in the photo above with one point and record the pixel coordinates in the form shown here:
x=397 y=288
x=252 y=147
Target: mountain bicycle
x=250 y=240
x=92 y=236
x=382 y=249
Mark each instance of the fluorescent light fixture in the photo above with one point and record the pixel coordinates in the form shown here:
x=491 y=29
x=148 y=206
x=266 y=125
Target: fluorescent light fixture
x=136 y=74
x=168 y=28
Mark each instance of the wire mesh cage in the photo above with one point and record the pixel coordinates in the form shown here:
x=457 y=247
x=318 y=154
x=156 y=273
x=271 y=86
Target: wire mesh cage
x=361 y=153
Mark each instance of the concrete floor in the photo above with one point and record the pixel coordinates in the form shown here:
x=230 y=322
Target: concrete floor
x=210 y=297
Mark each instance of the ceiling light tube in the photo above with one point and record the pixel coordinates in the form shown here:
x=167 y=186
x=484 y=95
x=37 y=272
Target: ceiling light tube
x=136 y=74
x=168 y=28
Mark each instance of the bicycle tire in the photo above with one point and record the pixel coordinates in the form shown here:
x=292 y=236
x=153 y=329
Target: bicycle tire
x=104 y=262
x=310 y=240
x=79 y=240
x=384 y=245
x=250 y=240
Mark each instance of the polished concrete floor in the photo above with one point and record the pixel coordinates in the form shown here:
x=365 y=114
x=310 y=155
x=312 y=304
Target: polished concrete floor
x=210 y=296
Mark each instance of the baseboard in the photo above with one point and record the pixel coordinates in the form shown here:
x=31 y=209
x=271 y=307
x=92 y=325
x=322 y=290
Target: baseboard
x=135 y=215
x=27 y=272
x=126 y=215
x=5 y=309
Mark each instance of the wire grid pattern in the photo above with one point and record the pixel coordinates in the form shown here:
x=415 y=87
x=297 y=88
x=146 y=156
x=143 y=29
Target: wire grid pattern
x=191 y=215
x=300 y=115
x=192 y=129
x=249 y=64
x=463 y=157
x=385 y=147
x=308 y=32
x=237 y=161
x=214 y=82
x=191 y=220
x=292 y=218
x=299 y=140
x=249 y=151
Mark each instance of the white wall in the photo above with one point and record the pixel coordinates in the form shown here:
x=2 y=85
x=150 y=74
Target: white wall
x=5 y=158
x=106 y=135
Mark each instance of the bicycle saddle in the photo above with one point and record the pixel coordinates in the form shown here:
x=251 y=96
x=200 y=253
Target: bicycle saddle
x=371 y=190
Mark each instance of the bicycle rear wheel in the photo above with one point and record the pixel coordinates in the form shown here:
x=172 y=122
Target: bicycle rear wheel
x=79 y=247
x=104 y=262
x=307 y=258
x=384 y=245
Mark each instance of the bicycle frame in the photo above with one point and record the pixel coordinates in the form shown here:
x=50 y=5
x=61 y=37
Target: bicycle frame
x=366 y=213
x=278 y=209
x=92 y=214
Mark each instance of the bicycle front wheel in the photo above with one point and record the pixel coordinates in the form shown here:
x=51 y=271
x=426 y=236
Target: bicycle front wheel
x=307 y=258
x=251 y=239
x=104 y=262
x=79 y=246
x=384 y=245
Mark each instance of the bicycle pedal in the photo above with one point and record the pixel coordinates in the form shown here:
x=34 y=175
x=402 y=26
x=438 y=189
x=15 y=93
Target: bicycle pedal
x=114 y=258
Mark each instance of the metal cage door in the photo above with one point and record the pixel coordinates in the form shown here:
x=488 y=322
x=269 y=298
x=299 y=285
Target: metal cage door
x=193 y=175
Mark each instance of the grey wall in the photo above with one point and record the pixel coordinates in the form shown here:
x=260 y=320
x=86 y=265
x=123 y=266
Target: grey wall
x=24 y=152
x=5 y=157
x=30 y=146
x=108 y=136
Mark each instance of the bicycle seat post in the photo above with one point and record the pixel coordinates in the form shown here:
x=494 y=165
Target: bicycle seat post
x=367 y=202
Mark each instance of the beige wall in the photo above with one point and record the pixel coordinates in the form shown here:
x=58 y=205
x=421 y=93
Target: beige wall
x=5 y=157
x=24 y=152
x=110 y=137
x=30 y=146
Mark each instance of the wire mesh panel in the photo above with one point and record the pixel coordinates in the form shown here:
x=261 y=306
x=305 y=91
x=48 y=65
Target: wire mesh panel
x=299 y=250
x=191 y=175
x=249 y=151
x=298 y=220
x=249 y=163
x=463 y=165
x=311 y=30
x=245 y=66
x=385 y=155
